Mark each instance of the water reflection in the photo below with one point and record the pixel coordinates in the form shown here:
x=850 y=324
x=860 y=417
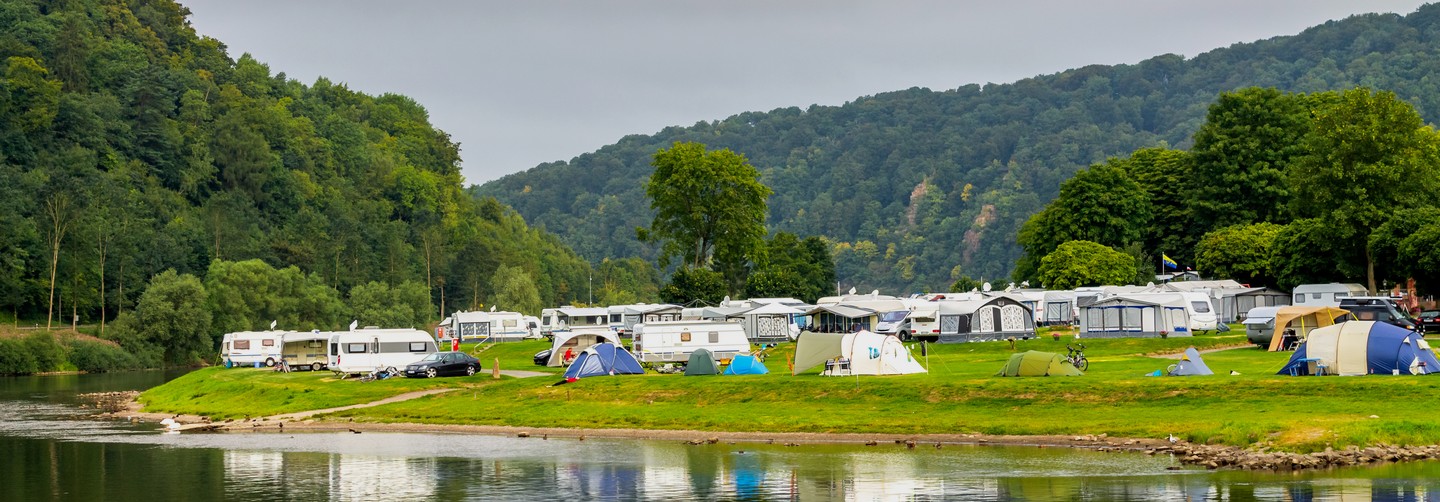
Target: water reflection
x=54 y=453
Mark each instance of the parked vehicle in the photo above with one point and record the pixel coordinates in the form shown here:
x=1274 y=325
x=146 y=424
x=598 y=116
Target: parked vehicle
x=245 y=348
x=673 y=341
x=368 y=349
x=490 y=326
x=1201 y=310
x=1325 y=295
x=1430 y=321
x=1379 y=308
x=542 y=358
x=443 y=363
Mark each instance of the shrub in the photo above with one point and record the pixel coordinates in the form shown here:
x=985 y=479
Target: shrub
x=100 y=357
x=15 y=358
x=47 y=352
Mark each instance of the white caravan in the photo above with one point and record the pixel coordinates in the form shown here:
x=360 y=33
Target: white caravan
x=673 y=341
x=1201 y=310
x=491 y=326
x=371 y=349
x=305 y=349
x=1325 y=295
x=246 y=348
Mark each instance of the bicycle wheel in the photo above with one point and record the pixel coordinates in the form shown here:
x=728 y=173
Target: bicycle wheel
x=1082 y=364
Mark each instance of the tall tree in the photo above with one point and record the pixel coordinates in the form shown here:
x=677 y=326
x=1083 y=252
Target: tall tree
x=1240 y=252
x=1368 y=155
x=1085 y=263
x=1242 y=155
x=707 y=205
x=1102 y=204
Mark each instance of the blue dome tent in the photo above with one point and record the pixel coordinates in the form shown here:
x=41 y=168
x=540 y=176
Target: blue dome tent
x=603 y=359
x=1361 y=348
x=746 y=364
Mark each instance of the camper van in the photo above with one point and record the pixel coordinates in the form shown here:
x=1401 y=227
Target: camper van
x=673 y=341
x=305 y=349
x=1325 y=295
x=920 y=318
x=246 y=348
x=1380 y=308
x=370 y=349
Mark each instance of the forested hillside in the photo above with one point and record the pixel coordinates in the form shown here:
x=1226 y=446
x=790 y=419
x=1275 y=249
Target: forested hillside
x=918 y=187
x=130 y=145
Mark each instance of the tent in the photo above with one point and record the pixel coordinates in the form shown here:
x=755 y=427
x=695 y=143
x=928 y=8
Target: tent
x=1034 y=363
x=746 y=364
x=1304 y=318
x=868 y=353
x=1363 y=347
x=603 y=359
x=577 y=340
x=1136 y=315
x=701 y=362
x=1190 y=364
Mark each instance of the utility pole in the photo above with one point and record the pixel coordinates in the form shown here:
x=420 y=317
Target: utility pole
x=592 y=289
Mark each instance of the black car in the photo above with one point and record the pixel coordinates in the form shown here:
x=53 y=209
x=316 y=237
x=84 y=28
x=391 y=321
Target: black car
x=443 y=363
x=1379 y=309
x=1430 y=321
x=542 y=358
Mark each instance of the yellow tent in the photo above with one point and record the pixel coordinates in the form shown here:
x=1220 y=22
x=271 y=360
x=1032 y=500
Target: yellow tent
x=1305 y=319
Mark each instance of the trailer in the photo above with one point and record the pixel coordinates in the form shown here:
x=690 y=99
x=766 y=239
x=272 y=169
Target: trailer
x=248 y=348
x=372 y=349
x=305 y=349
x=673 y=341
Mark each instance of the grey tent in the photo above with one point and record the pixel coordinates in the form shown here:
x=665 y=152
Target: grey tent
x=1190 y=364
x=701 y=362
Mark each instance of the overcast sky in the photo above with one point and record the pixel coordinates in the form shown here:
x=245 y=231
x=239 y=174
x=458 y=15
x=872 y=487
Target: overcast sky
x=521 y=82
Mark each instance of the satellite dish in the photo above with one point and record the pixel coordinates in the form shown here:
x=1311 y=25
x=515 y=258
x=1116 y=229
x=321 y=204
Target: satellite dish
x=985 y=287
x=353 y=324
x=852 y=291
x=875 y=293
x=272 y=325
x=1024 y=284
x=725 y=302
x=492 y=308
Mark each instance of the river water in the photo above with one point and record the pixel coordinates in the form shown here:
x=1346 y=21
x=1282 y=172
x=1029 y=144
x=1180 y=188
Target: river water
x=51 y=451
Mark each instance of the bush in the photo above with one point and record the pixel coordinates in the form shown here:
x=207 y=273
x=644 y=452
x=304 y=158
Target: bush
x=48 y=353
x=15 y=358
x=100 y=357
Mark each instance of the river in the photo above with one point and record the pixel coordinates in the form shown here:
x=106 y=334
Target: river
x=52 y=451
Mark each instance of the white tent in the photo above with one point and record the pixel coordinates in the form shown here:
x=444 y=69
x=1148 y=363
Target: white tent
x=863 y=353
x=578 y=340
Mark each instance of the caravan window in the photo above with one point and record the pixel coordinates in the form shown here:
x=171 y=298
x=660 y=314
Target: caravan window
x=1314 y=296
x=417 y=346
x=267 y=343
x=1299 y=298
x=1112 y=319
x=1201 y=307
x=242 y=344
x=1132 y=318
x=684 y=336
x=355 y=348
x=714 y=337
x=1096 y=322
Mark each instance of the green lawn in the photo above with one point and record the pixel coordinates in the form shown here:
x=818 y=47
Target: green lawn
x=958 y=395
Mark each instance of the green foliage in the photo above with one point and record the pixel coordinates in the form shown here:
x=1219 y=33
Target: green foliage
x=1419 y=254
x=100 y=357
x=792 y=268
x=48 y=354
x=1239 y=252
x=1243 y=154
x=1385 y=242
x=515 y=291
x=708 y=206
x=1368 y=154
x=1084 y=263
x=964 y=284
x=249 y=295
x=1103 y=205
x=15 y=358
x=626 y=281
x=406 y=305
x=688 y=285
x=1307 y=251
x=170 y=324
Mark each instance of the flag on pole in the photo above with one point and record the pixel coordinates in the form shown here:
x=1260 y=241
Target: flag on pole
x=1169 y=263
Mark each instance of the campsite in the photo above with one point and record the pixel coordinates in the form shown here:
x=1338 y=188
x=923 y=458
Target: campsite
x=959 y=394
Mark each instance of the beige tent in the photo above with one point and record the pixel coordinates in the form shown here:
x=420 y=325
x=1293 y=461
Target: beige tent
x=866 y=353
x=1304 y=319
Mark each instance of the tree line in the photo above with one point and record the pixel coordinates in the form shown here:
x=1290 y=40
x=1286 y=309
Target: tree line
x=1279 y=189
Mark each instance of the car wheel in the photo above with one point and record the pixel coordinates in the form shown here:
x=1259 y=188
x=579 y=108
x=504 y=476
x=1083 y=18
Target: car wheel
x=430 y=373
x=469 y=371
x=316 y=366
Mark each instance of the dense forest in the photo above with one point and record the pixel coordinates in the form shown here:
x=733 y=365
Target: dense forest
x=918 y=188
x=130 y=146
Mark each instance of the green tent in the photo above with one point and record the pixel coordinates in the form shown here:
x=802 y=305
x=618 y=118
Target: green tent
x=1032 y=363
x=701 y=362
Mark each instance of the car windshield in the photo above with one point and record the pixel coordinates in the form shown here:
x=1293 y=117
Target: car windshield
x=895 y=316
x=1430 y=314
x=433 y=357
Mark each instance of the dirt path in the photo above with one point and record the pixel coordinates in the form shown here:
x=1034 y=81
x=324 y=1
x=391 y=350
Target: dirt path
x=392 y=399
x=1177 y=355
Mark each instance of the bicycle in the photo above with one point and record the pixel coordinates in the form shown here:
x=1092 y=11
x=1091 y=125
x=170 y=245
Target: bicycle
x=1077 y=357
x=379 y=374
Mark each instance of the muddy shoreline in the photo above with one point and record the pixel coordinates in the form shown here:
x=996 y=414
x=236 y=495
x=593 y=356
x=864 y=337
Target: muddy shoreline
x=122 y=406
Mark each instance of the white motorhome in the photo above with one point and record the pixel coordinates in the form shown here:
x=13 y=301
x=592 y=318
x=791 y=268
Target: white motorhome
x=305 y=349
x=247 y=348
x=673 y=341
x=371 y=349
x=1325 y=295
x=920 y=317
x=491 y=326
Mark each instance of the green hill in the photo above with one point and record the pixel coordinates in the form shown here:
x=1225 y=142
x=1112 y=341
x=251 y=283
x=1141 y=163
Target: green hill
x=130 y=145
x=915 y=187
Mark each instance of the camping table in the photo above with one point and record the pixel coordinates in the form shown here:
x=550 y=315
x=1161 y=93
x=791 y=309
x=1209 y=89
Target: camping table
x=1312 y=366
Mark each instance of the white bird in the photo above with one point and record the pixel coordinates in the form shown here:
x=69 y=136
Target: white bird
x=1173 y=439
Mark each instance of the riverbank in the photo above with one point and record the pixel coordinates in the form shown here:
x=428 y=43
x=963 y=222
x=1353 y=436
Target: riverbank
x=1239 y=417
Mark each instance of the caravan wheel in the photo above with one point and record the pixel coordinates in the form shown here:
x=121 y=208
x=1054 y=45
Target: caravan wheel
x=269 y=362
x=316 y=366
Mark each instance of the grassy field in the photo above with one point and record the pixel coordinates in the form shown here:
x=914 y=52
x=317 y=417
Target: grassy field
x=958 y=395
